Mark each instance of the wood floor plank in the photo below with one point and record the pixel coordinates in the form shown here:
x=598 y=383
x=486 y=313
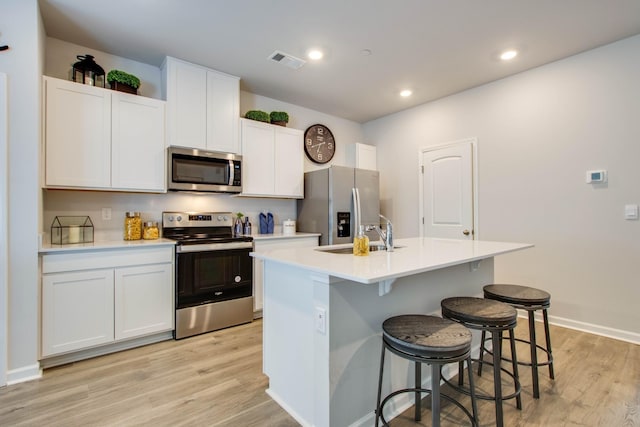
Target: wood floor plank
x=216 y=380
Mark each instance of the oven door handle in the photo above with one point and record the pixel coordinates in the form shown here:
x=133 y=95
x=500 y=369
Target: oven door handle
x=213 y=247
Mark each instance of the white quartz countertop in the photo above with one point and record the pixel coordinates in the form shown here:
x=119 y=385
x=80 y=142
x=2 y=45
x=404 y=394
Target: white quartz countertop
x=276 y=236
x=47 y=248
x=411 y=256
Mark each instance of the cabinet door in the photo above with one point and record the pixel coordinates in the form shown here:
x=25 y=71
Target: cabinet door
x=77 y=135
x=257 y=158
x=187 y=104
x=223 y=112
x=289 y=163
x=138 y=146
x=143 y=300
x=77 y=310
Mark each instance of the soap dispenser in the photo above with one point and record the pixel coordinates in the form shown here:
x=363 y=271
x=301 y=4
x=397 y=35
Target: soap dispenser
x=247 y=226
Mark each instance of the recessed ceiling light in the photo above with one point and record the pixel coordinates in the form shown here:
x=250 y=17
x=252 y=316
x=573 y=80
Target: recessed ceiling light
x=405 y=93
x=508 y=54
x=315 y=54
x=365 y=52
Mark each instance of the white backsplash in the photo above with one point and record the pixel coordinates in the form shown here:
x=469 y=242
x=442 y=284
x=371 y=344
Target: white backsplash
x=151 y=206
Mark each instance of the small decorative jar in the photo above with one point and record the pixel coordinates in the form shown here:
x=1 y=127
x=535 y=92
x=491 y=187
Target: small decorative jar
x=132 y=226
x=150 y=231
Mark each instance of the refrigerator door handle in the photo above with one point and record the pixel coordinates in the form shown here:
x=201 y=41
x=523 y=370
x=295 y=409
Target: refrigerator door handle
x=356 y=210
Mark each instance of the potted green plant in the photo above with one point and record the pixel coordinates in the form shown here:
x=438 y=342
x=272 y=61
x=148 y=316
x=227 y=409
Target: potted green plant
x=123 y=82
x=279 y=118
x=258 y=115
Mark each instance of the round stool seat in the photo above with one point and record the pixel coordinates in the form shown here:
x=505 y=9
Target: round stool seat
x=517 y=294
x=479 y=311
x=427 y=336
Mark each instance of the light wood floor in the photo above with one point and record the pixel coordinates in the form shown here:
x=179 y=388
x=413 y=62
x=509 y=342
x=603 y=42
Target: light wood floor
x=216 y=380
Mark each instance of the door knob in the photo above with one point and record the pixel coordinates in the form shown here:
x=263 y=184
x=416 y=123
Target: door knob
x=465 y=232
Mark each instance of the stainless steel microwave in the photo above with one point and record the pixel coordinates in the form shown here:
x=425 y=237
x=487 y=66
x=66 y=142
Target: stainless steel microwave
x=191 y=169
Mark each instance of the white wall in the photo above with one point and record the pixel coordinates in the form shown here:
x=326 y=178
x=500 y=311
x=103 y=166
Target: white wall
x=23 y=63
x=538 y=132
x=344 y=131
x=61 y=55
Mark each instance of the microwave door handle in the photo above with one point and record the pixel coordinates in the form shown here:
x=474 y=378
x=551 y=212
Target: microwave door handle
x=231 y=172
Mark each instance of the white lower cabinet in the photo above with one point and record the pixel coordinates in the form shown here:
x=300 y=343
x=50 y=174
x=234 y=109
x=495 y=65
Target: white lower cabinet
x=270 y=244
x=77 y=310
x=101 y=297
x=142 y=300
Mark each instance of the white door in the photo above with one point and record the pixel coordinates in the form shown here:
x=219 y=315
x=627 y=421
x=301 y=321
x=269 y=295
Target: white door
x=447 y=203
x=3 y=229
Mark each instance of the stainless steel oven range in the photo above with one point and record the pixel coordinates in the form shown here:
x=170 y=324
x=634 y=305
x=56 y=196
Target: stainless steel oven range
x=213 y=277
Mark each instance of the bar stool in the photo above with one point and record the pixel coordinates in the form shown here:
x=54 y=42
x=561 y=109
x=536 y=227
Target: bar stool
x=494 y=317
x=531 y=300
x=432 y=340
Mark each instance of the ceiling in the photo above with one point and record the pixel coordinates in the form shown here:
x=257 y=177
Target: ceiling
x=433 y=47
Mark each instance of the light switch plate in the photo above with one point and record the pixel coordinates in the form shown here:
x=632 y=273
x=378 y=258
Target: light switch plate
x=321 y=320
x=630 y=211
x=106 y=214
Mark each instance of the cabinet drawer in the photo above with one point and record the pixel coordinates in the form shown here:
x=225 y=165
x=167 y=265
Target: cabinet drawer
x=54 y=263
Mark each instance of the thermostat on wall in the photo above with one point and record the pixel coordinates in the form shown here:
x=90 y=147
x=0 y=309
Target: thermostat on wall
x=597 y=176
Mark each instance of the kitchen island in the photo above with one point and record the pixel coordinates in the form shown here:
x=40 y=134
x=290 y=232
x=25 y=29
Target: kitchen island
x=323 y=313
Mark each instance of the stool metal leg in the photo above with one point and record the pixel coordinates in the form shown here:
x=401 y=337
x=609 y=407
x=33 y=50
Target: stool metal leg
x=481 y=353
x=418 y=403
x=380 y=384
x=496 y=339
x=534 y=356
x=435 y=395
x=474 y=404
x=461 y=372
x=548 y=337
x=514 y=364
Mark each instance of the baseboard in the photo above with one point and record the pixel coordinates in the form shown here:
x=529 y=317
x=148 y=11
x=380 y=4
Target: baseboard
x=288 y=409
x=617 y=334
x=26 y=373
x=76 y=356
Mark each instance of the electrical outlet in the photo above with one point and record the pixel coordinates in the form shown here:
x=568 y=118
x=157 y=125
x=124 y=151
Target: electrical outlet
x=321 y=320
x=106 y=214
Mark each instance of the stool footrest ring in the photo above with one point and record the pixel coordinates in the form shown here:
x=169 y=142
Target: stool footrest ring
x=487 y=396
x=427 y=391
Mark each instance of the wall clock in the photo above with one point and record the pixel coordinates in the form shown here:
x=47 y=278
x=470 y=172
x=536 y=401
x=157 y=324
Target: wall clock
x=319 y=144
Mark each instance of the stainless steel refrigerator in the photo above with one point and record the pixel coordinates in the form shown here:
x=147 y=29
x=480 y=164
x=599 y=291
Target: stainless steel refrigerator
x=330 y=204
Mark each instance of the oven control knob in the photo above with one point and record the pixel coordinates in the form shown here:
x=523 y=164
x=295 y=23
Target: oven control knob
x=178 y=218
x=220 y=218
x=170 y=218
x=238 y=279
x=225 y=218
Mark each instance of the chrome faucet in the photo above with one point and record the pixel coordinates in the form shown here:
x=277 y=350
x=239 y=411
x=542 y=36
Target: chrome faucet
x=386 y=236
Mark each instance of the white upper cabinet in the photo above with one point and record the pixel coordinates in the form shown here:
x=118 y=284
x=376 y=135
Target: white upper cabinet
x=77 y=134
x=96 y=138
x=203 y=107
x=272 y=160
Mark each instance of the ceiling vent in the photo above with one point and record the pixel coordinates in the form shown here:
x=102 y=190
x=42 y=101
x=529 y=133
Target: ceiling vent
x=286 y=59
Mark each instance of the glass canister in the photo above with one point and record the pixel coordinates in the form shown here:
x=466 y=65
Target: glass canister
x=150 y=230
x=132 y=226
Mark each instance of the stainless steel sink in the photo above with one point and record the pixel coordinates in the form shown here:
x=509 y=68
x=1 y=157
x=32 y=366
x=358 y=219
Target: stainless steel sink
x=349 y=250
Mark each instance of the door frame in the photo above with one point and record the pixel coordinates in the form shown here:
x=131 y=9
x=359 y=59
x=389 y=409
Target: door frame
x=4 y=228
x=474 y=174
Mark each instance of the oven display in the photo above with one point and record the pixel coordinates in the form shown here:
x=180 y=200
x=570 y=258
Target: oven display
x=200 y=217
